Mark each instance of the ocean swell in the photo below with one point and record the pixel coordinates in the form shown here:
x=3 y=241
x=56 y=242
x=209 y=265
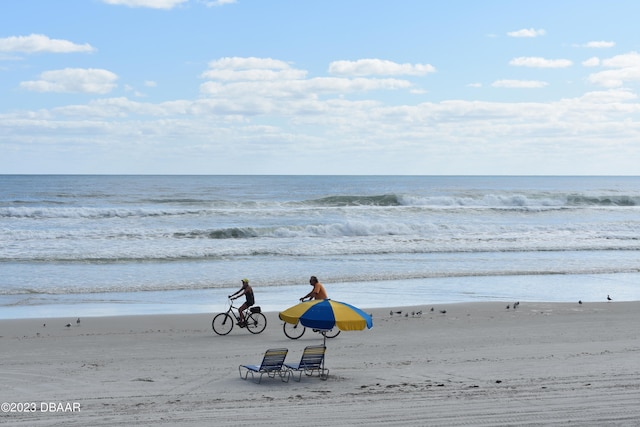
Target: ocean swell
x=357 y=200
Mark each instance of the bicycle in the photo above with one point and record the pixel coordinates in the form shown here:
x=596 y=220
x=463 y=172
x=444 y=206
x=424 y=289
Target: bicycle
x=255 y=321
x=295 y=331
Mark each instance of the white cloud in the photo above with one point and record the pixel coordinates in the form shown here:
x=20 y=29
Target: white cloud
x=123 y=107
x=631 y=59
x=615 y=78
x=599 y=44
x=264 y=93
x=368 y=67
x=214 y=3
x=538 y=62
x=73 y=80
x=153 y=4
x=527 y=32
x=591 y=62
x=150 y=83
x=249 y=63
x=341 y=129
x=36 y=43
x=315 y=119
x=519 y=84
x=252 y=84
x=626 y=68
x=253 y=75
x=136 y=93
x=608 y=97
x=251 y=69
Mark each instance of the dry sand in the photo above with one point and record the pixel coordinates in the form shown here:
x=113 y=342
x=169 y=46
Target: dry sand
x=477 y=364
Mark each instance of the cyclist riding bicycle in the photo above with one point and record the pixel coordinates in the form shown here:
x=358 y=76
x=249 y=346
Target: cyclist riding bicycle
x=318 y=291
x=247 y=291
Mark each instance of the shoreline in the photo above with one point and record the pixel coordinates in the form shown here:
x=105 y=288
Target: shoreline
x=424 y=308
x=374 y=294
x=478 y=363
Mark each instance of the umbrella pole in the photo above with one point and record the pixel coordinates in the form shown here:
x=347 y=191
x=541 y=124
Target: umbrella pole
x=322 y=374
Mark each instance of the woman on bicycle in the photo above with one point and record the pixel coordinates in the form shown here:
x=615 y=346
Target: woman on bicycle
x=247 y=291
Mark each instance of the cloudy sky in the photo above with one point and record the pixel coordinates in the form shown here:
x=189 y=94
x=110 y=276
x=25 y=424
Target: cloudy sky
x=320 y=87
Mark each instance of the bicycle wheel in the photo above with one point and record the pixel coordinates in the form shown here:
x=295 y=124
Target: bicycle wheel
x=293 y=331
x=256 y=322
x=222 y=324
x=332 y=333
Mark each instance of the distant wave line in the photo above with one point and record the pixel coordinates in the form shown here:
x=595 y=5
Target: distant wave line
x=356 y=200
x=121 y=258
x=17 y=209
x=439 y=232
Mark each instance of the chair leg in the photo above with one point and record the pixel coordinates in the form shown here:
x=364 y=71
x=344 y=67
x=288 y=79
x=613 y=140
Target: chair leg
x=324 y=374
x=254 y=378
x=240 y=372
x=247 y=372
x=283 y=374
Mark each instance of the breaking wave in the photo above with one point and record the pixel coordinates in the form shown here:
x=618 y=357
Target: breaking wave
x=198 y=207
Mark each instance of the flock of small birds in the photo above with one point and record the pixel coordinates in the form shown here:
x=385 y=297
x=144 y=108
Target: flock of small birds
x=68 y=325
x=391 y=313
x=407 y=314
x=609 y=299
x=515 y=305
x=412 y=313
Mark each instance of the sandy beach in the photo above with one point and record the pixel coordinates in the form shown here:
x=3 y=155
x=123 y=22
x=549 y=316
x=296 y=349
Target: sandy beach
x=477 y=364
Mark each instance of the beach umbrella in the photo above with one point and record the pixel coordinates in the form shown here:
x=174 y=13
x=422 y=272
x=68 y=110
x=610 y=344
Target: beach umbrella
x=327 y=314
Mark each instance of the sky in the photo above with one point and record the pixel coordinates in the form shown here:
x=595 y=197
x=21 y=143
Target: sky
x=414 y=87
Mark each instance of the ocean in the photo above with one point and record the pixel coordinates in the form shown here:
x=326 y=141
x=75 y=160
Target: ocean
x=74 y=245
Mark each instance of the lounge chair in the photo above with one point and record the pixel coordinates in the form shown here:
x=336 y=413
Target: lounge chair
x=271 y=365
x=312 y=360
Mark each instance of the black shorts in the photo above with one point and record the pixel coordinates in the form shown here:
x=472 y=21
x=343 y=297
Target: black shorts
x=250 y=301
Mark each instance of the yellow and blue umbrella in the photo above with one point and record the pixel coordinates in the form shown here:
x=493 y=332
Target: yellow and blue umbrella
x=327 y=314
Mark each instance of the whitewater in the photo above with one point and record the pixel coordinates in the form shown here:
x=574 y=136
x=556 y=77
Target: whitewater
x=99 y=245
